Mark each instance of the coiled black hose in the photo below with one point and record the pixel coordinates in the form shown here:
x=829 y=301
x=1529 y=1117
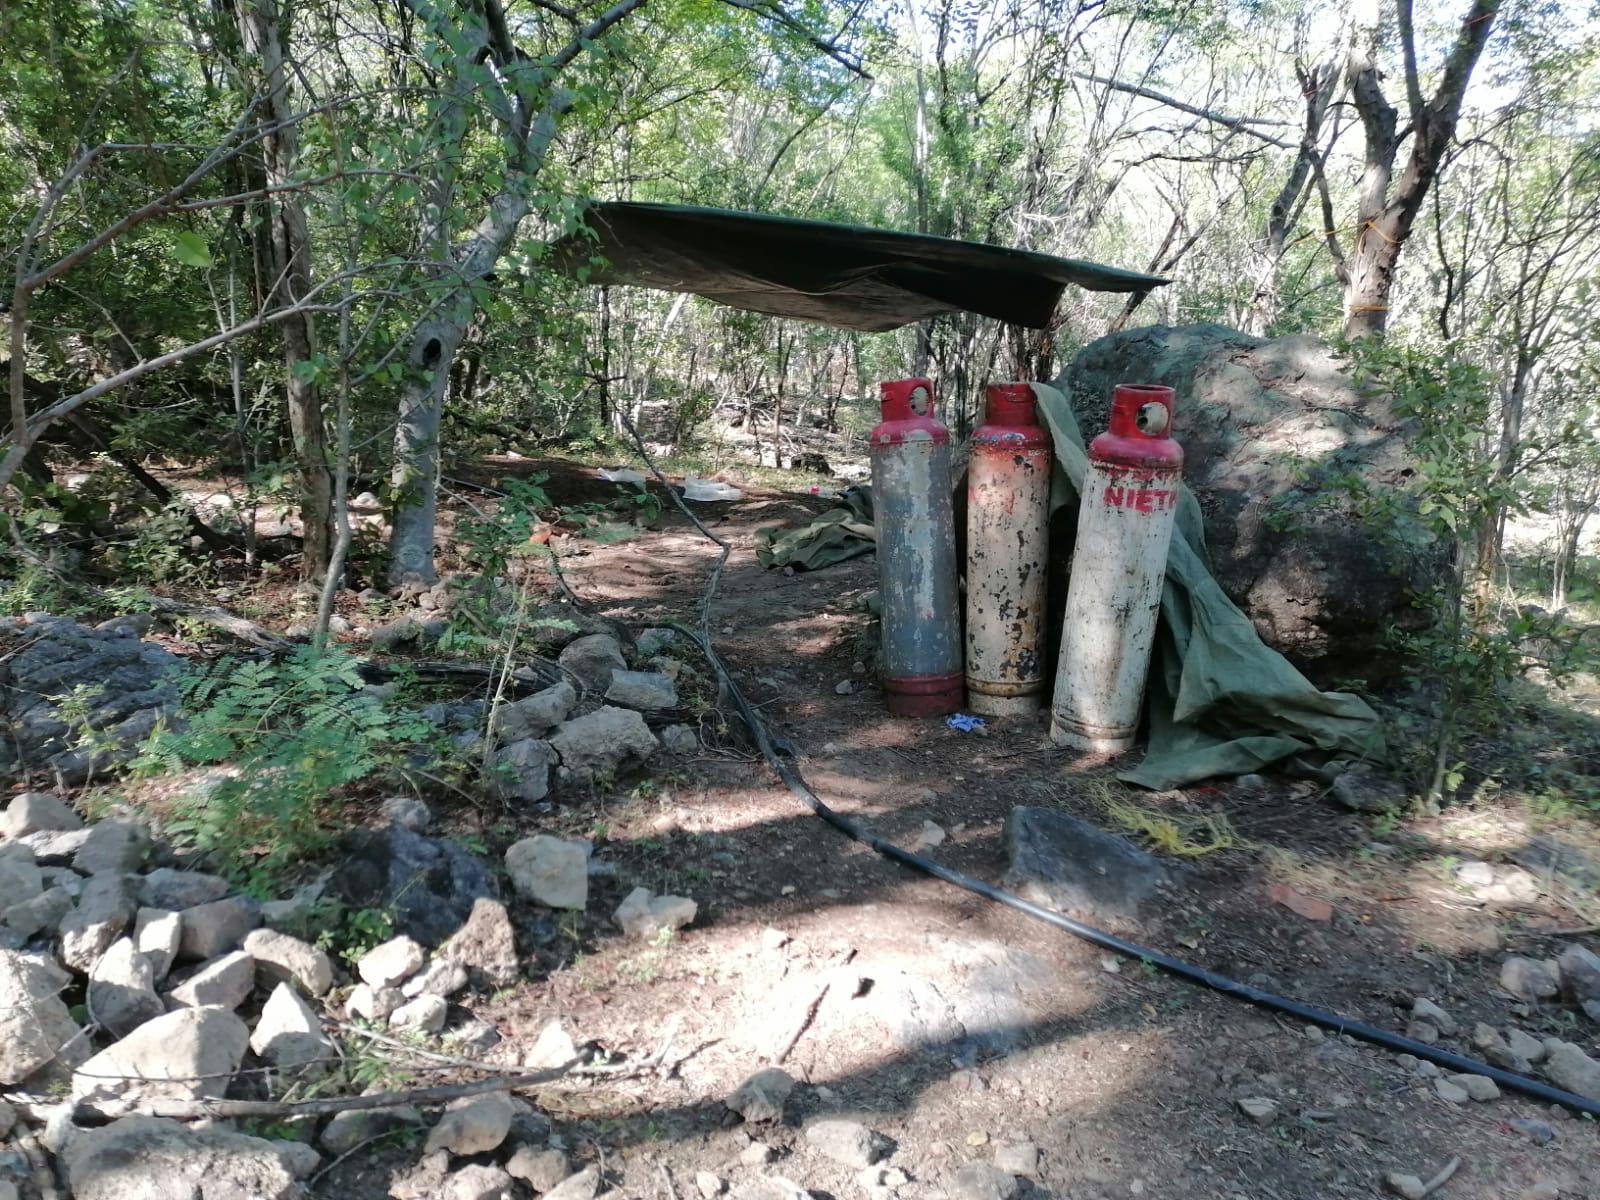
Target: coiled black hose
x=780 y=757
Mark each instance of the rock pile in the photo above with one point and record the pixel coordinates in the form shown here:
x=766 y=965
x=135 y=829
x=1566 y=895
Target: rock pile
x=61 y=680
x=129 y=980
x=561 y=736
x=1573 y=979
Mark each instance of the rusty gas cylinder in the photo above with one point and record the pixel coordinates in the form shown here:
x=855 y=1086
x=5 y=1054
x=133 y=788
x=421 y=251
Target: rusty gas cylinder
x=1008 y=516
x=1128 y=503
x=915 y=524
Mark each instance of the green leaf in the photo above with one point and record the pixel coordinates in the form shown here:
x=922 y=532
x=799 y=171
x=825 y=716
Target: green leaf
x=191 y=250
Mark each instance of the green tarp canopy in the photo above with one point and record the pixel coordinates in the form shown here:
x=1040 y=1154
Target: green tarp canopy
x=1219 y=700
x=846 y=275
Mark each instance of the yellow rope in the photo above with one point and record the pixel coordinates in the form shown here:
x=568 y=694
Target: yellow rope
x=1373 y=225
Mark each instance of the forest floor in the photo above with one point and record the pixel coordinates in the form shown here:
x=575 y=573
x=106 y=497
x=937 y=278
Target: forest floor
x=958 y=1028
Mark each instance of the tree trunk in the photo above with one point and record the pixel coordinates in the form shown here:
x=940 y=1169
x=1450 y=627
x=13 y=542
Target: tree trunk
x=415 y=479
x=1384 y=222
x=1569 y=538
x=1366 y=294
x=434 y=342
x=529 y=107
x=261 y=32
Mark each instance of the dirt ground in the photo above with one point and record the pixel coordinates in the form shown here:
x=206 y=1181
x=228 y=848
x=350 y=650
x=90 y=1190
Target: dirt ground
x=954 y=1026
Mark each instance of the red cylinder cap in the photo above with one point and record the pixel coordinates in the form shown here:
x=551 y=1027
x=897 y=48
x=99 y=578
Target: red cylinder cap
x=1010 y=404
x=1142 y=410
x=906 y=399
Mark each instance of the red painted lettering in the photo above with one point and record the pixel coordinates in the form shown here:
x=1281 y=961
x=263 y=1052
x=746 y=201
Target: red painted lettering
x=1145 y=500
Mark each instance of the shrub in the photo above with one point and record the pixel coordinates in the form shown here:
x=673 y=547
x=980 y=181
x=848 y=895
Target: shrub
x=294 y=731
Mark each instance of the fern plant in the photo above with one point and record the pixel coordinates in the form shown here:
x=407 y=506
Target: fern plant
x=296 y=731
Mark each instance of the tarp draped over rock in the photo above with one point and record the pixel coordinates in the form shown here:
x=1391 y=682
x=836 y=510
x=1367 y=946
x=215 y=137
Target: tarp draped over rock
x=1220 y=701
x=1280 y=443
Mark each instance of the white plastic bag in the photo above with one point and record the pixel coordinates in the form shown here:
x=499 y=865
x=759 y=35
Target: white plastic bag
x=695 y=488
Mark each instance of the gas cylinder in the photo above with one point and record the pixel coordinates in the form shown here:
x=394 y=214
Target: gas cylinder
x=915 y=523
x=1008 y=517
x=1129 y=501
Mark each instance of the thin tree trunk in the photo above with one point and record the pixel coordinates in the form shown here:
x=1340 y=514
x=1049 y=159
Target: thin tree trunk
x=434 y=342
x=343 y=534
x=530 y=107
x=1318 y=85
x=1570 y=538
x=605 y=359
x=261 y=31
x=777 y=403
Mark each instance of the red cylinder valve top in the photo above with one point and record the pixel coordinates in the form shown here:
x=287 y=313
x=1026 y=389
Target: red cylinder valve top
x=1133 y=410
x=1010 y=404
x=1140 y=432
x=1011 y=418
x=907 y=409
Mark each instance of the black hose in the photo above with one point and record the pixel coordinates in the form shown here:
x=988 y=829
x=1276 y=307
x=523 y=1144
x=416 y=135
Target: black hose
x=780 y=757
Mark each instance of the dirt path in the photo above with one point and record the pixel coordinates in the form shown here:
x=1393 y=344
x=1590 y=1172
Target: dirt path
x=955 y=1027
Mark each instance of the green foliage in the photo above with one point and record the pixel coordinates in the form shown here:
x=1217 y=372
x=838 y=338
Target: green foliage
x=292 y=732
x=29 y=589
x=490 y=542
x=158 y=550
x=1455 y=492
x=349 y=935
x=191 y=250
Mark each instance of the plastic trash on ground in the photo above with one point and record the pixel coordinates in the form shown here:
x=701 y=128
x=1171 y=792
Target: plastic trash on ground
x=620 y=475
x=964 y=722
x=695 y=488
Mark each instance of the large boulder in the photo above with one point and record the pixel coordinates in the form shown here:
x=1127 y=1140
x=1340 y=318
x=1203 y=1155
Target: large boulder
x=141 y=1158
x=125 y=685
x=35 y=1025
x=1269 y=428
x=428 y=885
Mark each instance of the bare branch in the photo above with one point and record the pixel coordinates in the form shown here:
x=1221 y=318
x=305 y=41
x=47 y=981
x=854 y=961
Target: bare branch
x=1408 y=46
x=1330 y=232
x=1242 y=124
x=297 y=185
x=594 y=29
x=769 y=10
x=560 y=10
x=25 y=435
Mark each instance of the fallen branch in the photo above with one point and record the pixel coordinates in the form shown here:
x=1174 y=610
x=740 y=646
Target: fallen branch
x=1442 y=1178
x=204 y=1109
x=534 y=676
x=217 y=618
x=806 y=1018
